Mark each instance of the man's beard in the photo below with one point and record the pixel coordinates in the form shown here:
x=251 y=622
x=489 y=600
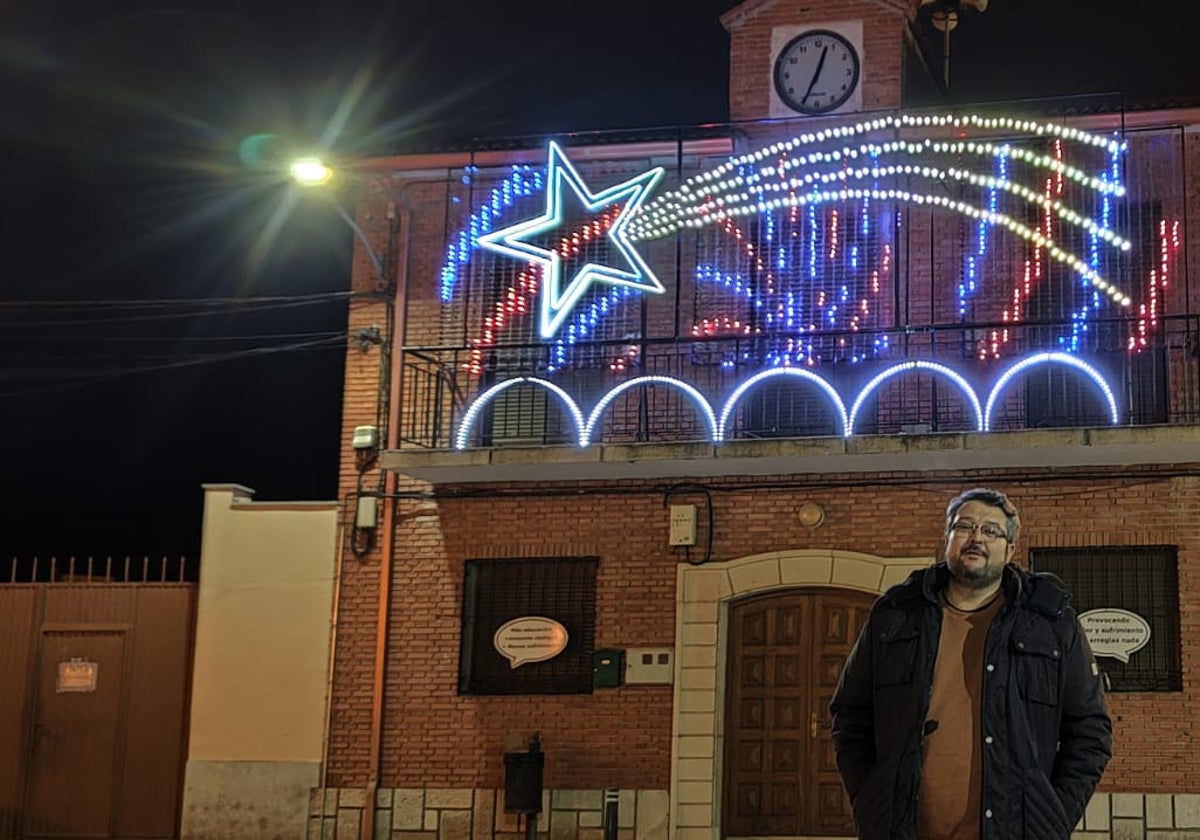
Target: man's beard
x=975 y=578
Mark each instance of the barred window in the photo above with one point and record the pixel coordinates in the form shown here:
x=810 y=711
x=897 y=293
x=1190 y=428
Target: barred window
x=498 y=591
x=1143 y=580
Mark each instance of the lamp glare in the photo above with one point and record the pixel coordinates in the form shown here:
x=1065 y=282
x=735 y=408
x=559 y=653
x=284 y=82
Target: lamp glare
x=310 y=172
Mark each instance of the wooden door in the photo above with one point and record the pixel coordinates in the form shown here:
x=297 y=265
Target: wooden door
x=73 y=771
x=785 y=654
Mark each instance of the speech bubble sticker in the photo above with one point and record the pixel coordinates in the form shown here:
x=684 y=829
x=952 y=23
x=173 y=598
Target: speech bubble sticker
x=531 y=638
x=1117 y=634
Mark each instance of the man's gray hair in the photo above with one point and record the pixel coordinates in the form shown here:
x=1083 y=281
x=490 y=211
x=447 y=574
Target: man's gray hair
x=992 y=498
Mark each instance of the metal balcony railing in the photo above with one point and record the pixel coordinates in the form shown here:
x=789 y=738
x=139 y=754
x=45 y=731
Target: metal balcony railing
x=932 y=379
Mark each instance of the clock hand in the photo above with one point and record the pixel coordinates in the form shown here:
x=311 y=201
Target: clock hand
x=816 y=75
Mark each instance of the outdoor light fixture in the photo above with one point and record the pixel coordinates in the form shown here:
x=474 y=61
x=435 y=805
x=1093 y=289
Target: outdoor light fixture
x=314 y=172
x=310 y=172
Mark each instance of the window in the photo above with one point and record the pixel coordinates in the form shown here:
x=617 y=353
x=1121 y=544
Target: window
x=1142 y=580
x=562 y=589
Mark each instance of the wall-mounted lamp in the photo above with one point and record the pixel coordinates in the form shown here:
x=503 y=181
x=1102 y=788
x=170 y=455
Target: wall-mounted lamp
x=811 y=514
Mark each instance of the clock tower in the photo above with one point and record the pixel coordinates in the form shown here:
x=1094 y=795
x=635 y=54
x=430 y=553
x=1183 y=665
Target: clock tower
x=796 y=58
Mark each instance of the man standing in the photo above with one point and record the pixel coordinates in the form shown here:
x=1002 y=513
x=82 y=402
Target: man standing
x=971 y=707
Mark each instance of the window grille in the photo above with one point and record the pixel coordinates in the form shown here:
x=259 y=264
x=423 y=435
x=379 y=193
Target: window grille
x=1141 y=579
x=497 y=591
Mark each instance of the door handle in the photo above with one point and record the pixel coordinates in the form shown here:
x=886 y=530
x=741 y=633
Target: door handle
x=812 y=725
x=40 y=736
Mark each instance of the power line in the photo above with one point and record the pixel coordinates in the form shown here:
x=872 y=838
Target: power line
x=136 y=303
x=166 y=316
x=180 y=339
x=83 y=378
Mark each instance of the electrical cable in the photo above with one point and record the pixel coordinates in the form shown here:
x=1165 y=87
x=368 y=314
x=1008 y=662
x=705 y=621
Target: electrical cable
x=226 y=310
x=180 y=339
x=152 y=303
x=90 y=377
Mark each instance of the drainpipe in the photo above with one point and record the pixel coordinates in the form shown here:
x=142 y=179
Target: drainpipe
x=388 y=537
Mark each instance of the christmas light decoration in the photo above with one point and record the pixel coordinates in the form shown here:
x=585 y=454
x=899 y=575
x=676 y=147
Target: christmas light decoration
x=481 y=401
x=915 y=364
x=1049 y=358
x=835 y=398
x=753 y=201
x=719 y=428
x=808 y=275
x=523 y=181
x=589 y=430
x=557 y=299
x=905 y=196
x=705 y=182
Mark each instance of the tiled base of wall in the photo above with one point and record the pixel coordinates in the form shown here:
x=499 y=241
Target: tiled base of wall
x=458 y=814
x=1141 y=816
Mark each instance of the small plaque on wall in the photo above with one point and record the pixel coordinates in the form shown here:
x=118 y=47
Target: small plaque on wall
x=532 y=638
x=76 y=675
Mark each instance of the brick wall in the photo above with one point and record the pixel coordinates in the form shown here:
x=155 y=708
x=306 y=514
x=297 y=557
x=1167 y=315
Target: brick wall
x=621 y=736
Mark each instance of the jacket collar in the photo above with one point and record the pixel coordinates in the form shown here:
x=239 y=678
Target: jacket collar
x=1041 y=592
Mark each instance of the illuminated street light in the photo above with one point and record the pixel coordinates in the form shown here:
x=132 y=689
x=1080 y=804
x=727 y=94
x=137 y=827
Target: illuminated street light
x=310 y=172
x=313 y=172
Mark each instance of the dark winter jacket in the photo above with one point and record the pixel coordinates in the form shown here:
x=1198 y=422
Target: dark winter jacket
x=1045 y=723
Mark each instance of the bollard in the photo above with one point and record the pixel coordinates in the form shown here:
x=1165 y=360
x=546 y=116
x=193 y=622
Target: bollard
x=612 y=807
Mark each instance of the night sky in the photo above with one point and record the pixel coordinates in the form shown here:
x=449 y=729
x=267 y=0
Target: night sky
x=123 y=128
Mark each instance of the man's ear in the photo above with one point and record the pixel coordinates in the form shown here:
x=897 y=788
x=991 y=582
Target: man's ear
x=1008 y=556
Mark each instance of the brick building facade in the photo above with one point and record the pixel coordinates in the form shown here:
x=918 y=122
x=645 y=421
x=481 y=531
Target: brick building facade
x=411 y=753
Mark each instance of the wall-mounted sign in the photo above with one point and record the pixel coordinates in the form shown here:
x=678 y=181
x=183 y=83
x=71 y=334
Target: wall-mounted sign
x=1115 y=633
x=532 y=638
x=76 y=675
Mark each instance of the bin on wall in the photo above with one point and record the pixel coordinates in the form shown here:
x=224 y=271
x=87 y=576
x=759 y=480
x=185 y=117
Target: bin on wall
x=523 y=779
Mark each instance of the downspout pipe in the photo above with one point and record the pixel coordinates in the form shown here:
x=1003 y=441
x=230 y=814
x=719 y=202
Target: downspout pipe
x=387 y=548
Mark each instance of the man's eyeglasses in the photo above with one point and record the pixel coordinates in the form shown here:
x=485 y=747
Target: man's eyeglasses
x=988 y=530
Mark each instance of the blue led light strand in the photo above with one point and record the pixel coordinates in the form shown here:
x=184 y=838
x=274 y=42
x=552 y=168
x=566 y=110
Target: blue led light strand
x=523 y=182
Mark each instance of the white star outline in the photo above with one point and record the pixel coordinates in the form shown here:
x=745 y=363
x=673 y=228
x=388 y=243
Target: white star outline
x=557 y=305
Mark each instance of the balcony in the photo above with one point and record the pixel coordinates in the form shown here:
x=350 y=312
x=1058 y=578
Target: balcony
x=995 y=290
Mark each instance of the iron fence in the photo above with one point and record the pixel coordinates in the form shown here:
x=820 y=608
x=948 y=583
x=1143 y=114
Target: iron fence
x=932 y=379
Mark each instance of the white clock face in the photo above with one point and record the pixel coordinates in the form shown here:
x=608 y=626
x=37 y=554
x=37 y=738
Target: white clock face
x=816 y=72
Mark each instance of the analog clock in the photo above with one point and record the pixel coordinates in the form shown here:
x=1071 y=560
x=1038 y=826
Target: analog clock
x=816 y=72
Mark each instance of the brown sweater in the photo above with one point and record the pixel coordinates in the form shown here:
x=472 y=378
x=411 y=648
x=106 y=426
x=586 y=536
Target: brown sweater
x=951 y=775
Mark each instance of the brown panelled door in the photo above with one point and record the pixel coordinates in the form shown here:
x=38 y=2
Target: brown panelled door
x=785 y=653
x=73 y=768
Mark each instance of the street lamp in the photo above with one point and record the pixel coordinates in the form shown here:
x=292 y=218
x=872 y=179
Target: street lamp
x=309 y=172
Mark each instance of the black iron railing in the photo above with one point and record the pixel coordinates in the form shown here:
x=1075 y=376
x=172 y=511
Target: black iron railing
x=933 y=379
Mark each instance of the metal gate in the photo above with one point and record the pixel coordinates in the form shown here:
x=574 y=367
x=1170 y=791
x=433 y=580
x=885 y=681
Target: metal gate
x=94 y=665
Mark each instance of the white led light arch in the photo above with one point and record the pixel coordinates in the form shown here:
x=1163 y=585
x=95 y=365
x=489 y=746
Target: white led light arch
x=719 y=427
x=589 y=429
x=800 y=373
x=1050 y=358
x=468 y=419
x=916 y=364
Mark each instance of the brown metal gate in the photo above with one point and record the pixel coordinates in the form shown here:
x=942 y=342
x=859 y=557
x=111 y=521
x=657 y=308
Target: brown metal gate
x=94 y=681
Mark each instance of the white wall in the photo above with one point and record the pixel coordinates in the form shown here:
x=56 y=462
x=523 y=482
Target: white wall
x=261 y=665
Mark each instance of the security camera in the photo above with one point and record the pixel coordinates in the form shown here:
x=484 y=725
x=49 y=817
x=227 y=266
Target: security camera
x=365 y=437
